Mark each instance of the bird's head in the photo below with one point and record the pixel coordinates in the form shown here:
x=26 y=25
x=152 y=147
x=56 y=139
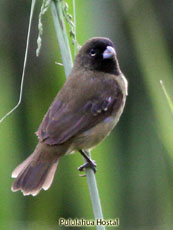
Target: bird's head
x=98 y=54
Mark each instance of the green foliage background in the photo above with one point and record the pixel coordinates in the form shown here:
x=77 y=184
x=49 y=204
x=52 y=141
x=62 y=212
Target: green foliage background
x=135 y=167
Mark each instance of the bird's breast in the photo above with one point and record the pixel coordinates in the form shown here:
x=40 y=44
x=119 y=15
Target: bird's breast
x=93 y=136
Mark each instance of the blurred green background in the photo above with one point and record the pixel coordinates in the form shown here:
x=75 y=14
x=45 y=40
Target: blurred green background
x=135 y=166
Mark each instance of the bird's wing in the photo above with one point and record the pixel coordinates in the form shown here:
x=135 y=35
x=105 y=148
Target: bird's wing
x=66 y=119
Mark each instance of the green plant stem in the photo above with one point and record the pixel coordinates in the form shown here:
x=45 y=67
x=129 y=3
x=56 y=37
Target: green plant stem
x=94 y=194
x=167 y=96
x=24 y=64
x=56 y=9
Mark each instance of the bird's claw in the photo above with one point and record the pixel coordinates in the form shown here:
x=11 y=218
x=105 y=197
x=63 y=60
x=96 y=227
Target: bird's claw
x=91 y=164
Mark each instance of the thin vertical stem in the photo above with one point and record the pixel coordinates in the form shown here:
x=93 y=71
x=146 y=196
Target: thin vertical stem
x=56 y=9
x=75 y=31
x=167 y=96
x=24 y=64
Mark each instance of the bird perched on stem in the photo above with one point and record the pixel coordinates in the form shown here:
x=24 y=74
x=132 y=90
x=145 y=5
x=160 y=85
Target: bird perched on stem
x=83 y=113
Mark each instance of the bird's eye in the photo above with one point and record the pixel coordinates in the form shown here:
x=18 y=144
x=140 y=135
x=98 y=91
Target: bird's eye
x=92 y=52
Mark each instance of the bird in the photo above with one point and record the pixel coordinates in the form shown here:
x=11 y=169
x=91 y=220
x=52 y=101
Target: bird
x=84 y=112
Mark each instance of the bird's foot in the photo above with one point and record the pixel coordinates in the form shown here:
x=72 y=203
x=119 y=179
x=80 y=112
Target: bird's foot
x=90 y=164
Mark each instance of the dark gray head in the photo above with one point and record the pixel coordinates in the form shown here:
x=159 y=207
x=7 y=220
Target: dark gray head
x=98 y=54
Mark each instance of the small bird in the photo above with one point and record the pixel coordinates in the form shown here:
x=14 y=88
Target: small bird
x=84 y=112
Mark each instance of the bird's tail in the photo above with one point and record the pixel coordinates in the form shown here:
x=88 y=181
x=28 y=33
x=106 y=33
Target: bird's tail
x=37 y=171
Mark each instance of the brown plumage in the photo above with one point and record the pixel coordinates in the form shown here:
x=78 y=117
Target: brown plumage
x=83 y=113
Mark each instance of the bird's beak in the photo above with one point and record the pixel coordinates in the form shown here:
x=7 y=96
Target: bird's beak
x=109 y=52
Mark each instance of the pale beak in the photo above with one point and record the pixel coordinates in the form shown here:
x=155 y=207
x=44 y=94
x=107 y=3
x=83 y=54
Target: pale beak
x=109 y=52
